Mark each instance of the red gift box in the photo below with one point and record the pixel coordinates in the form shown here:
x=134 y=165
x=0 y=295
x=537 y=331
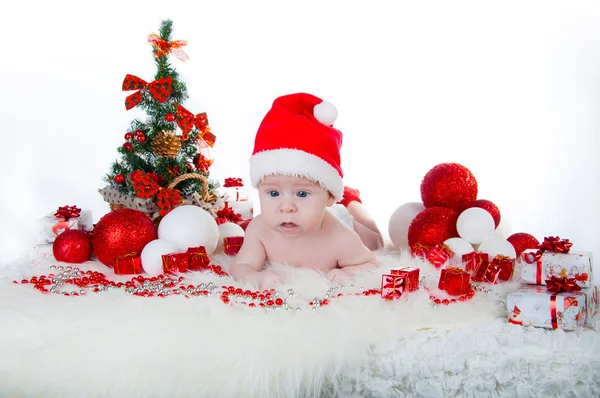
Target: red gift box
x=232 y=245
x=392 y=286
x=439 y=254
x=507 y=267
x=175 y=262
x=473 y=260
x=412 y=277
x=128 y=264
x=419 y=250
x=198 y=259
x=455 y=281
x=487 y=272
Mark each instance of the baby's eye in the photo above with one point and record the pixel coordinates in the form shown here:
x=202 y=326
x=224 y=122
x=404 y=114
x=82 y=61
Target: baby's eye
x=273 y=194
x=302 y=194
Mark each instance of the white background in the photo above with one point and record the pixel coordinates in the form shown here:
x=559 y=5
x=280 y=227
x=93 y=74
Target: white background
x=510 y=90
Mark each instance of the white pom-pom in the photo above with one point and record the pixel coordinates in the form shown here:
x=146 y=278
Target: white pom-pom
x=325 y=112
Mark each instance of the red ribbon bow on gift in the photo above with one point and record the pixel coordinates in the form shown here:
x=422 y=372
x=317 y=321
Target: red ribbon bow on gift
x=164 y=47
x=396 y=283
x=159 y=89
x=233 y=182
x=146 y=187
x=558 y=284
x=186 y=121
x=67 y=212
x=228 y=214
x=551 y=243
x=439 y=254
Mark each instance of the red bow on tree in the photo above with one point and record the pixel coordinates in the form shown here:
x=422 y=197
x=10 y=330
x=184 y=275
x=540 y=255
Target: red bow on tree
x=159 y=89
x=551 y=243
x=164 y=47
x=233 y=182
x=558 y=284
x=146 y=187
x=186 y=121
x=67 y=212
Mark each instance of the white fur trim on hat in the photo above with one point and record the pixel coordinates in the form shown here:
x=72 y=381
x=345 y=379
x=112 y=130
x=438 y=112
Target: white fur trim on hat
x=295 y=162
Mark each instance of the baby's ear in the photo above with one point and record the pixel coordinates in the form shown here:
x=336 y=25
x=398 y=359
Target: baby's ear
x=331 y=200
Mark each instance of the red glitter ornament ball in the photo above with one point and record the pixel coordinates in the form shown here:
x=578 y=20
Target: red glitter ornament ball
x=522 y=241
x=121 y=232
x=449 y=185
x=432 y=226
x=72 y=246
x=489 y=207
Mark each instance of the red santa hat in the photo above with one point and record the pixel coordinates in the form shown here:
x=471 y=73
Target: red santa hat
x=297 y=138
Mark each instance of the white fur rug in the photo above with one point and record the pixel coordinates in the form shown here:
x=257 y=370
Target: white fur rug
x=112 y=344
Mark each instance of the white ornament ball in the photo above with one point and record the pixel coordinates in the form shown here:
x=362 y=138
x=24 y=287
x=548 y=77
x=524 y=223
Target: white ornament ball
x=227 y=230
x=459 y=246
x=325 y=113
x=400 y=221
x=496 y=246
x=504 y=229
x=189 y=226
x=475 y=225
x=151 y=256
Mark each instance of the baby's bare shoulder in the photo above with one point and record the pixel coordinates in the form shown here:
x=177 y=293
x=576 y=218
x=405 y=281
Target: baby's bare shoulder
x=341 y=233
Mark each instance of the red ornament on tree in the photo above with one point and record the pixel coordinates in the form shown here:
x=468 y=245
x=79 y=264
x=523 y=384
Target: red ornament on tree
x=72 y=246
x=140 y=138
x=522 y=241
x=432 y=226
x=449 y=185
x=119 y=179
x=128 y=146
x=128 y=136
x=139 y=132
x=489 y=207
x=122 y=232
x=169 y=117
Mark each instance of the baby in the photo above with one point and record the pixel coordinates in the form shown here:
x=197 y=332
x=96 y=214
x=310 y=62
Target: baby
x=296 y=167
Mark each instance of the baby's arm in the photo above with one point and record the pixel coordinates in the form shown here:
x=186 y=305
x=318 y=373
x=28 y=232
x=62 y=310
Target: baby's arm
x=354 y=256
x=251 y=257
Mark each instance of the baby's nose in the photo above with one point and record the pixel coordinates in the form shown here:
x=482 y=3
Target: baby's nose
x=287 y=206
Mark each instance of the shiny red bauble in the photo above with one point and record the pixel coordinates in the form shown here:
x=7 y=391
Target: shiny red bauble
x=128 y=135
x=128 y=146
x=449 y=185
x=121 y=232
x=72 y=246
x=522 y=241
x=432 y=226
x=169 y=117
x=119 y=179
x=488 y=206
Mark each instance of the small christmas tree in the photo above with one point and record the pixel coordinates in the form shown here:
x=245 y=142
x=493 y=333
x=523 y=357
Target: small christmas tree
x=159 y=169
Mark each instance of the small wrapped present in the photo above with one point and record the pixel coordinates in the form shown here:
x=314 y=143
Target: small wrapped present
x=412 y=277
x=591 y=294
x=537 y=269
x=393 y=286
x=128 y=264
x=455 y=281
x=535 y=306
x=487 y=272
x=245 y=209
x=175 y=262
x=66 y=217
x=473 y=260
x=439 y=254
x=232 y=245
x=419 y=250
x=507 y=267
x=198 y=259
x=233 y=190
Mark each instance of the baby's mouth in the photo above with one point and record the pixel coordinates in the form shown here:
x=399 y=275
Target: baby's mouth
x=288 y=226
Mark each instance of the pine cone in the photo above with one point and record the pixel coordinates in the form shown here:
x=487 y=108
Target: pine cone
x=166 y=144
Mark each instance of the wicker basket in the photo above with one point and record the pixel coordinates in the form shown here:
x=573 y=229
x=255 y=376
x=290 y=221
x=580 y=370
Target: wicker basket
x=120 y=201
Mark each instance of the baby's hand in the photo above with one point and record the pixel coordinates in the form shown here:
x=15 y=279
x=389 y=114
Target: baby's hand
x=339 y=276
x=270 y=279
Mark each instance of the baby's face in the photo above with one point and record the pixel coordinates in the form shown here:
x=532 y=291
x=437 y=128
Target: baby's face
x=292 y=205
